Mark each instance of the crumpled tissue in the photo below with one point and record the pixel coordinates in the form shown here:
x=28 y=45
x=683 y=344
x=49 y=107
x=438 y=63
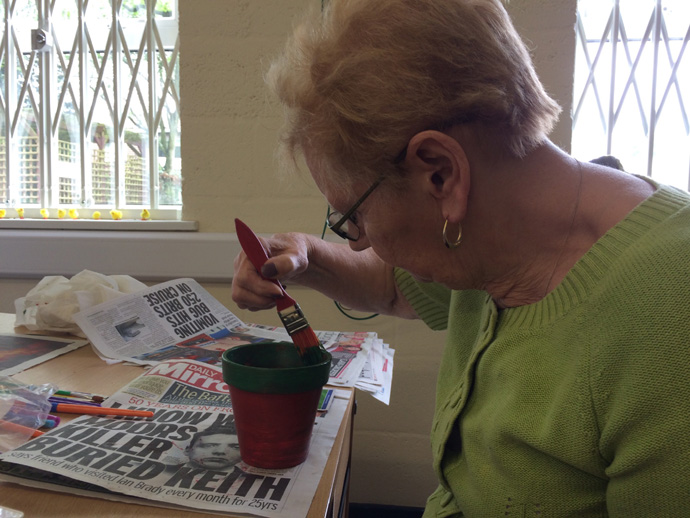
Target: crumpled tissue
x=52 y=303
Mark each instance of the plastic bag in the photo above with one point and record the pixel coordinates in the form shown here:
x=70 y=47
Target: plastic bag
x=23 y=409
x=51 y=304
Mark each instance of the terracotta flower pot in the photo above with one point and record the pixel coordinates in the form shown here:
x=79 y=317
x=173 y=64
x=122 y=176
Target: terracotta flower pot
x=274 y=400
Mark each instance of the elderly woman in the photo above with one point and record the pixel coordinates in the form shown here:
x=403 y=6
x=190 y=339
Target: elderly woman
x=564 y=388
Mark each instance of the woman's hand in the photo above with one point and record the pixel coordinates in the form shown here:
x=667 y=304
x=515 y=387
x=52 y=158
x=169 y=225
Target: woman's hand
x=289 y=257
x=358 y=279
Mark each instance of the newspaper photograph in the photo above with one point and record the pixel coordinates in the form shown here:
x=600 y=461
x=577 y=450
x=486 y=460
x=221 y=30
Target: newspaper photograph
x=186 y=456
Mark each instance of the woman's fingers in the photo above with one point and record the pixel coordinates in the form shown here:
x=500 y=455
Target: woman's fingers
x=251 y=290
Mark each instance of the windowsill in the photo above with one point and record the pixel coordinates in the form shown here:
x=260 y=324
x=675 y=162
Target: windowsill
x=145 y=255
x=101 y=224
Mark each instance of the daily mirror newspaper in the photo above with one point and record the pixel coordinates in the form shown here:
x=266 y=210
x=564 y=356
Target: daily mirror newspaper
x=155 y=459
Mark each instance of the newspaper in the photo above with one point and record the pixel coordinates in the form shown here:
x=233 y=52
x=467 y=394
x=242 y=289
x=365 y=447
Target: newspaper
x=180 y=319
x=158 y=323
x=150 y=461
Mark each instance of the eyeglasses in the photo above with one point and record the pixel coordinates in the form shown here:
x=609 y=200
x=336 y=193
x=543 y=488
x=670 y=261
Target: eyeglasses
x=343 y=224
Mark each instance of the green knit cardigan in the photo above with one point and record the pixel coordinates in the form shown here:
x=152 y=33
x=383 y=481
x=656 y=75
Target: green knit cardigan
x=578 y=405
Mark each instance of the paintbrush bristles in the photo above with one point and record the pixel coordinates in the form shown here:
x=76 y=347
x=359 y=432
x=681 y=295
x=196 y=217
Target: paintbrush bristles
x=305 y=339
x=302 y=334
x=309 y=346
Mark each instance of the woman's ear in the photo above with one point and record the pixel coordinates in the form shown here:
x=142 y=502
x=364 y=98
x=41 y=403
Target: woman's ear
x=441 y=167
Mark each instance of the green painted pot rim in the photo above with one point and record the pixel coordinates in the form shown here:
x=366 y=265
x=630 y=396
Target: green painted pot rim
x=273 y=368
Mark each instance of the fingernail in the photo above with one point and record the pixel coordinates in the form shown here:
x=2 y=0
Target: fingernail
x=269 y=270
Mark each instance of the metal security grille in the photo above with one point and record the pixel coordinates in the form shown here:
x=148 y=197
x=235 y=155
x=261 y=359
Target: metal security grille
x=89 y=104
x=632 y=86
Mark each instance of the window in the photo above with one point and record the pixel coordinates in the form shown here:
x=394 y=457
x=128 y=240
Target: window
x=632 y=86
x=89 y=106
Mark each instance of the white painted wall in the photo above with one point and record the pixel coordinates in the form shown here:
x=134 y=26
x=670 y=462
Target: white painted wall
x=228 y=133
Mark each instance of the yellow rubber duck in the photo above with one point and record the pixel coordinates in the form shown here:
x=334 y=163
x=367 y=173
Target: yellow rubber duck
x=20 y=213
x=62 y=213
x=116 y=214
x=73 y=213
x=96 y=215
x=44 y=213
x=145 y=215
x=2 y=213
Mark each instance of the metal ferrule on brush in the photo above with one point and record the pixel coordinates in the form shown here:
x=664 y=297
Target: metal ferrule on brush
x=293 y=319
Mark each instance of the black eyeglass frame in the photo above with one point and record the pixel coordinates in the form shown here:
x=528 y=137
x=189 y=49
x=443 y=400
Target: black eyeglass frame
x=335 y=227
x=348 y=215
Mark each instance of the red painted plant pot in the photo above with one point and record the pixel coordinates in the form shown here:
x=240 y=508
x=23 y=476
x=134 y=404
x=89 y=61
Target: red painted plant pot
x=274 y=400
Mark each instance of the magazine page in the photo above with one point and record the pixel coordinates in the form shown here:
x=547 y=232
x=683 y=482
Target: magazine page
x=157 y=458
x=19 y=352
x=158 y=323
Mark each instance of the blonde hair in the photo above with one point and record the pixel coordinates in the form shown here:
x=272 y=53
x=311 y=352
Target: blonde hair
x=358 y=80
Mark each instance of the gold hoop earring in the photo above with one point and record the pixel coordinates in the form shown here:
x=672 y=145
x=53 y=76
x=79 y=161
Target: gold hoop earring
x=451 y=244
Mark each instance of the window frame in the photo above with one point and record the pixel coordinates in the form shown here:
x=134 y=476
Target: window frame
x=155 y=33
x=620 y=57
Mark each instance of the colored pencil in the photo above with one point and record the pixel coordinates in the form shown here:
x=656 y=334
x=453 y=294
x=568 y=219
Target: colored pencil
x=290 y=313
x=94 y=410
x=72 y=401
x=81 y=395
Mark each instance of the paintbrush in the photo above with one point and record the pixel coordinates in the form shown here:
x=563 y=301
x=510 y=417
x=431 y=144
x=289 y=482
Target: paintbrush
x=291 y=315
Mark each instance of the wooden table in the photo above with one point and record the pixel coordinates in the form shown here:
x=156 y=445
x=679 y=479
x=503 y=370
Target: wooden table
x=82 y=370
